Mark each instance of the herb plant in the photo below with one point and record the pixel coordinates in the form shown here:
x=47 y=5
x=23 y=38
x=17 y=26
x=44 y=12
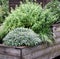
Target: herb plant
x=22 y=37
x=54 y=5
x=3 y=10
x=31 y=15
x=23 y=16
x=43 y=26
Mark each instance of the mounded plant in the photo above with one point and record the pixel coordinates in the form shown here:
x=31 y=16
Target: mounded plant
x=31 y=15
x=22 y=37
x=43 y=26
x=23 y=16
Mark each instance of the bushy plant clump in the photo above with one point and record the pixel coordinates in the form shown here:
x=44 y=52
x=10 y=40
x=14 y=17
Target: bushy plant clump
x=3 y=10
x=25 y=15
x=31 y=15
x=43 y=26
x=22 y=37
x=54 y=5
x=1 y=15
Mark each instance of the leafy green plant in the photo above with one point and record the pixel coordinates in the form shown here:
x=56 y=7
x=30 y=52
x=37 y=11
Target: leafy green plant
x=54 y=5
x=2 y=18
x=25 y=15
x=3 y=10
x=31 y=15
x=43 y=26
x=22 y=37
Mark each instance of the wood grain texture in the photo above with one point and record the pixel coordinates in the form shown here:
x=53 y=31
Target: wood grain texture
x=37 y=52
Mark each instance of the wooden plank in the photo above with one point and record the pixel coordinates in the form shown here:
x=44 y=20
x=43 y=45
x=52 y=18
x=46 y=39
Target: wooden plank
x=8 y=57
x=10 y=51
x=29 y=52
x=44 y=53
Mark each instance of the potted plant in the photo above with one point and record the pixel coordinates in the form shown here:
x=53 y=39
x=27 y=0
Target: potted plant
x=27 y=26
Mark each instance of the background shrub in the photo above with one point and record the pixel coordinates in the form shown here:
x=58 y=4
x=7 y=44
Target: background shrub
x=3 y=10
x=43 y=26
x=22 y=37
x=25 y=15
x=54 y=5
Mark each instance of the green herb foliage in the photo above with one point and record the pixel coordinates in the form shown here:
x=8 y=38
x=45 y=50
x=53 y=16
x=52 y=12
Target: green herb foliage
x=25 y=15
x=54 y=5
x=22 y=37
x=43 y=26
x=3 y=10
x=31 y=15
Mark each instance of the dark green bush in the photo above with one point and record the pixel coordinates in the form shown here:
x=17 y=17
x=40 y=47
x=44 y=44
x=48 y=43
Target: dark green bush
x=25 y=15
x=22 y=37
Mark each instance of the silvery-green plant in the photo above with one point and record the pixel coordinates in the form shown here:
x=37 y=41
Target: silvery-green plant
x=22 y=37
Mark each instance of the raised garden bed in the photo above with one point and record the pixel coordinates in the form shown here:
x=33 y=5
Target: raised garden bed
x=37 y=52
